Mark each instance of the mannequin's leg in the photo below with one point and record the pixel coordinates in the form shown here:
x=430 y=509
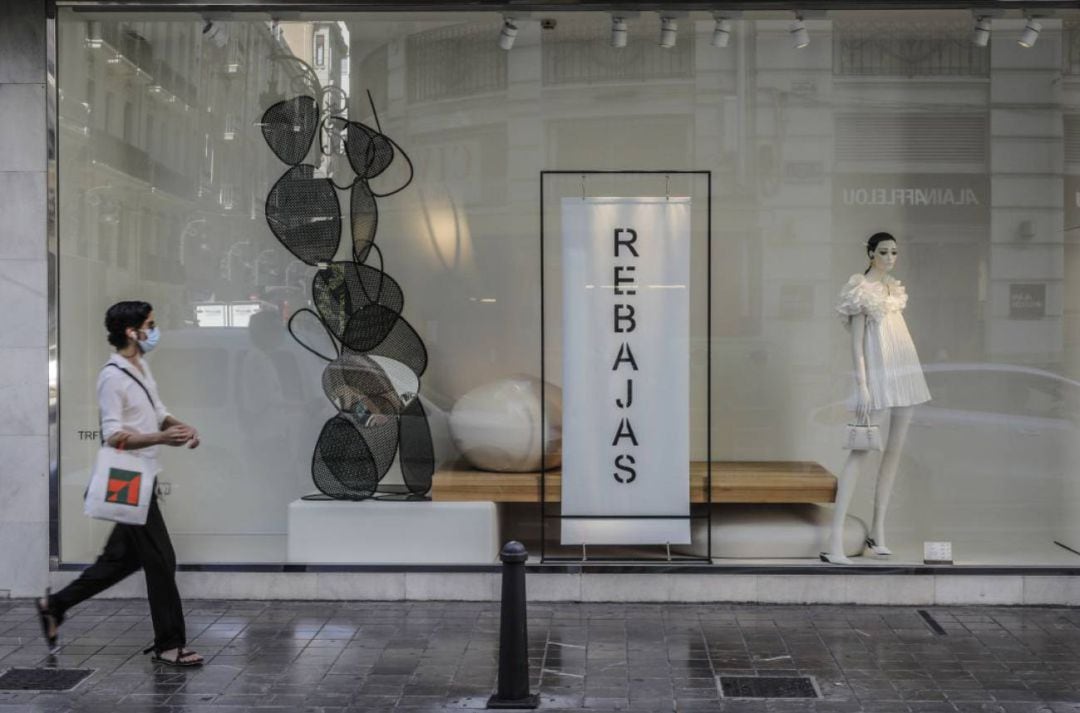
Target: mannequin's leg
x=890 y=463
x=845 y=489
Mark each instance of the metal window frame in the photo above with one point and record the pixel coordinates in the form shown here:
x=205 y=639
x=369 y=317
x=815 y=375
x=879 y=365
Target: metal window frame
x=52 y=247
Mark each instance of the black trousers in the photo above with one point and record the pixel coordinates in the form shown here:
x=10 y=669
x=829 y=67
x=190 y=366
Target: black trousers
x=129 y=548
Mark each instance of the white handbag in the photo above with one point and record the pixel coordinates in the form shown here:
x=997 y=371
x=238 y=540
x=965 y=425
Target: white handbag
x=862 y=437
x=121 y=487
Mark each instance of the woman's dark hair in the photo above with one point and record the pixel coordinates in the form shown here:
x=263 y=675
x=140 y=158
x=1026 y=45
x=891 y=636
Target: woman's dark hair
x=871 y=245
x=123 y=316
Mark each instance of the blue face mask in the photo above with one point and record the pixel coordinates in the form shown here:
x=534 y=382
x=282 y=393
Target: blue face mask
x=152 y=338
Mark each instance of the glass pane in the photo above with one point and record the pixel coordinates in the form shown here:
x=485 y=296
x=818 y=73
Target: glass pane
x=887 y=121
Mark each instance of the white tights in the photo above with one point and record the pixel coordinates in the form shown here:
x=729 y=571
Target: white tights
x=899 y=421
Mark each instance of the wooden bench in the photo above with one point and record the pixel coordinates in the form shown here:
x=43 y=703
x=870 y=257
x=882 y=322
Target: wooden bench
x=732 y=482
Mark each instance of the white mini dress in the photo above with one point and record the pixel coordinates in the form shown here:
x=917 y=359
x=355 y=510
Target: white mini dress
x=894 y=375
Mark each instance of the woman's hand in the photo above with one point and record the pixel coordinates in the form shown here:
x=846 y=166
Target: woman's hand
x=193 y=442
x=862 y=404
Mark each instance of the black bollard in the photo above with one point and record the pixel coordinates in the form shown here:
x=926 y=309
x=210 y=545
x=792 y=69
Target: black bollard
x=513 y=689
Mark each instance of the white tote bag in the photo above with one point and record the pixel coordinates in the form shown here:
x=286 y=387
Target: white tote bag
x=121 y=487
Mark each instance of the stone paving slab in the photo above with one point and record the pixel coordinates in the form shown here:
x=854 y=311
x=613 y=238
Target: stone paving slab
x=338 y=657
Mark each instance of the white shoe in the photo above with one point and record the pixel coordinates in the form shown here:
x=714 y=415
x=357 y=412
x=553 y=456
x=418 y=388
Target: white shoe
x=879 y=550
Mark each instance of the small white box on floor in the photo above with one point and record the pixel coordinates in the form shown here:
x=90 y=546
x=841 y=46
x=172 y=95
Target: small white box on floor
x=388 y=532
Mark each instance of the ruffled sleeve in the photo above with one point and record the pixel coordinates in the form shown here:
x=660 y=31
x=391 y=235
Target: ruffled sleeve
x=858 y=296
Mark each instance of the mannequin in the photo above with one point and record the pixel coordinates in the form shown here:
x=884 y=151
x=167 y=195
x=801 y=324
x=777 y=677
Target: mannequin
x=889 y=383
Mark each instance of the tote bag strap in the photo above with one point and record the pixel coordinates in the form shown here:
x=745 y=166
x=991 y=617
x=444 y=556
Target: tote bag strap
x=141 y=386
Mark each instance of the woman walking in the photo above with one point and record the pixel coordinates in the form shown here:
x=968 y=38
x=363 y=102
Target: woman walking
x=133 y=419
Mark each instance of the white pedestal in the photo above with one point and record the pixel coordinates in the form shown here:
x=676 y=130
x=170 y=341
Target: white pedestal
x=778 y=531
x=382 y=532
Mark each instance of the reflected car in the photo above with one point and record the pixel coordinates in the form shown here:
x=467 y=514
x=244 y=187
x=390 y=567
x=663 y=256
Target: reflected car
x=997 y=446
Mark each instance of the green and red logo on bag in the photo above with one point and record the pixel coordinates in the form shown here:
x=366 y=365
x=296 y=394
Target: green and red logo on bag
x=123 y=487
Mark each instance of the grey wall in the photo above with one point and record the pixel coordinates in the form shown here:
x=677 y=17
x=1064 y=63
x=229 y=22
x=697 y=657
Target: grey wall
x=24 y=462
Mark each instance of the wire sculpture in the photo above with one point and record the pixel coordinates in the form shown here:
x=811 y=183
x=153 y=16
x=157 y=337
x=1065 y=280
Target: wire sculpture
x=373 y=377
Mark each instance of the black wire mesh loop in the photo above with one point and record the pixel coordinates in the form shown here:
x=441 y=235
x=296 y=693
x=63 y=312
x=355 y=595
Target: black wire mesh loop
x=304 y=214
x=417 y=452
x=368 y=327
x=363 y=219
x=370 y=153
x=343 y=466
x=356 y=384
x=380 y=436
x=358 y=305
x=403 y=344
x=305 y=340
x=342 y=288
x=289 y=127
x=408 y=163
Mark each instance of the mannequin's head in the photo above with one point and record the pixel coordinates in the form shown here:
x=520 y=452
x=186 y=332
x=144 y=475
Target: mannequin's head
x=881 y=249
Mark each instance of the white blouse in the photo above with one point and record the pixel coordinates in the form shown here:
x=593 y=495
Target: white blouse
x=894 y=375
x=124 y=405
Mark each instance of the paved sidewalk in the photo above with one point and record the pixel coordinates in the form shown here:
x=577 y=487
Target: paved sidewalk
x=370 y=656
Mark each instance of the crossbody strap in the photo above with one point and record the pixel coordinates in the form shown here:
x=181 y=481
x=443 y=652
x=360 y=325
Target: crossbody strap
x=136 y=380
x=141 y=386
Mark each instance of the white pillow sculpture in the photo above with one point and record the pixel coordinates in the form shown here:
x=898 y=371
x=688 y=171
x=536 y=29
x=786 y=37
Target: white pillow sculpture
x=497 y=426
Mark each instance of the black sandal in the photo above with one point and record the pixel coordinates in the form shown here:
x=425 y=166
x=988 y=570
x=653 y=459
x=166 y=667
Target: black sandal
x=179 y=661
x=48 y=621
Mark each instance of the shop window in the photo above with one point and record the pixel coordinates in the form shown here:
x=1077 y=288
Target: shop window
x=807 y=159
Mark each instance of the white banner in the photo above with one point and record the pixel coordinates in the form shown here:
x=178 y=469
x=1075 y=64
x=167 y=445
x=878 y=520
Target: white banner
x=626 y=363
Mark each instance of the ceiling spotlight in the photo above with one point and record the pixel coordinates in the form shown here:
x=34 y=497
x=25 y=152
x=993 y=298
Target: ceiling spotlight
x=980 y=36
x=508 y=33
x=722 y=32
x=799 y=36
x=1031 y=33
x=618 y=32
x=669 y=29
